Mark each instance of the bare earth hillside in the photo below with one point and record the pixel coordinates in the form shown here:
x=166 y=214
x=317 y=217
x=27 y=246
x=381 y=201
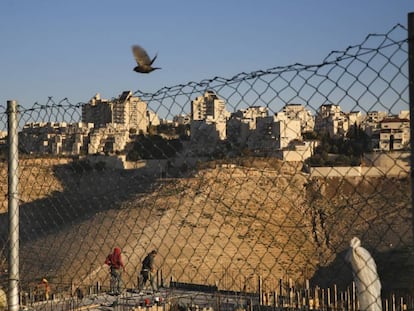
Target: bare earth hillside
x=223 y=225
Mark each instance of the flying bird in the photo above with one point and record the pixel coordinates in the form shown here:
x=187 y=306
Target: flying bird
x=143 y=61
x=365 y=276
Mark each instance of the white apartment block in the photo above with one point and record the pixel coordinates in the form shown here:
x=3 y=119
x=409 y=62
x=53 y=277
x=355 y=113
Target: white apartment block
x=54 y=137
x=107 y=129
x=97 y=111
x=332 y=120
x=355 y=118
x=208 y=114
x=298 y=151
x=274 y=133
x=153 y=119
x=131 y=112
x=372 y=122
x=376 y=116
x=108 y=139
x=127 y=110
x=286 y=129
x=263 y=137
x=209 y=105
x=300 y=113
x=242 y=122
x=182 y=119
x=249 y=115
x=394 y=134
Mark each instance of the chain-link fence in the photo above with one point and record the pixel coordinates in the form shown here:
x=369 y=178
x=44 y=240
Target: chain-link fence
x=252 y=186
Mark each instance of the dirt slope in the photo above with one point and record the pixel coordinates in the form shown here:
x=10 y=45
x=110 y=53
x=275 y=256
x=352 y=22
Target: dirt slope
x=224 y=225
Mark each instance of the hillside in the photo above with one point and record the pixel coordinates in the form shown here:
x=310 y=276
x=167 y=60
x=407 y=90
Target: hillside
x=222 y=225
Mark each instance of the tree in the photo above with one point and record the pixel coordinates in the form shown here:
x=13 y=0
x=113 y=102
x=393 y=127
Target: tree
x=353 y=146
x=153 y=147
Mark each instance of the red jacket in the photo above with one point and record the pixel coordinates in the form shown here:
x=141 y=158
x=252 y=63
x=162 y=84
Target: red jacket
x=115 y=260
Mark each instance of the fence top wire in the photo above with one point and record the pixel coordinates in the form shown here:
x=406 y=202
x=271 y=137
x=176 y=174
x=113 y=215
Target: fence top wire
x=353 y=51
x=373 y=43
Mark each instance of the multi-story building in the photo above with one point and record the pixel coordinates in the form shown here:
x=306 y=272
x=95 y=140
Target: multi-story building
x=242 y=122
x=182 y=119
x=286 y=129
x=355 y=118
x=274 y=133
x=331 y=120
x=394 y=134
x=209 y=106
x=372 y=122
x=209 y=117
x=105 y=128
x=249 y=115
x=263 y=138
x=153 y=118
x=108 y=139
x=109 y=124
x=126 y=111
x=97 y=111
x=300 y=113
x=131 y=113
x=376 y=116
x=55 y=138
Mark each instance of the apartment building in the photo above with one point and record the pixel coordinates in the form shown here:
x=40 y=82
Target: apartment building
x=105 y=127
x=274 y=133
x=372 y=122
x=209 y=106
x=209 y=118
x=182 y=119
x=243 y=122
x=55 y=137
x=394 y=134
x=250 y=114
x=153 y=119
x=131 y=113
x=286 y=129
x=97 y=111
x=300 y=113
x=355 y=118
x=126 y=111
x=332 y=120
x=109 y=139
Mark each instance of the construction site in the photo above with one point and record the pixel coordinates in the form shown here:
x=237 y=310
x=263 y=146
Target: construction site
x=253 y=221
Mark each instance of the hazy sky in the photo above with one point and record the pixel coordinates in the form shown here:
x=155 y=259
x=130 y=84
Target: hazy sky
x=75 y=49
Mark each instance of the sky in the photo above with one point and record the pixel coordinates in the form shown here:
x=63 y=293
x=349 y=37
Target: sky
x=75 y=49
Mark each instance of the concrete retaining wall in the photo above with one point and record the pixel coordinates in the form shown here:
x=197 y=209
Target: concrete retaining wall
x=355 y=171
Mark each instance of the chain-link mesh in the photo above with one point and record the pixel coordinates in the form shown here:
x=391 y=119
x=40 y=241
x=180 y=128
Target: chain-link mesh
x=257 y=186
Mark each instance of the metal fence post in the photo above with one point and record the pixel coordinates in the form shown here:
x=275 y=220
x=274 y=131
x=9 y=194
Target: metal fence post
x=411 y=102
x=13 y=206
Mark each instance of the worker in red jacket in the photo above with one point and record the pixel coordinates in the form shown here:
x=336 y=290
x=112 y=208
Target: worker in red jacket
x=116 y=265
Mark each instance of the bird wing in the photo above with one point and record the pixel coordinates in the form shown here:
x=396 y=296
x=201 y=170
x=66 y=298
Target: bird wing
x=140 y=55
x=155 y=57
